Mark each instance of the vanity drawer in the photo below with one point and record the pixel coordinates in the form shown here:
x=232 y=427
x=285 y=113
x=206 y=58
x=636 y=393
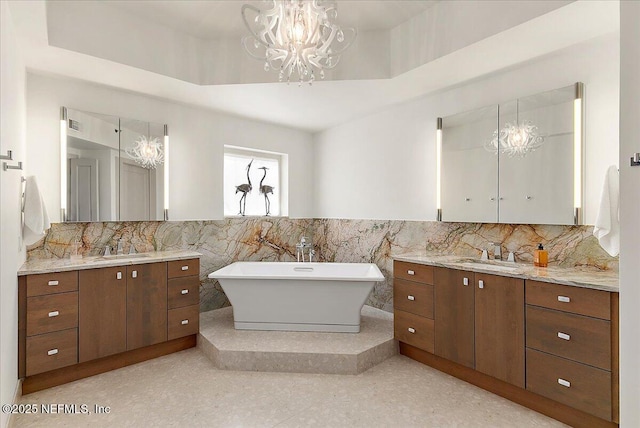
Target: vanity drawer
x=51 y=351
x=579 y=338
x=582 y=301
x=52 y=313
x=577 y=385
x=413 y=297
x=413 y=272
x=414 y=330
x=51 y=283
x=183 y=292
x=180 y=268
x=183 y=321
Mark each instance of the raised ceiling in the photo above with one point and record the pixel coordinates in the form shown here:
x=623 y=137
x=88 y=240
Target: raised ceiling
x=221 y=19
x=447 y=44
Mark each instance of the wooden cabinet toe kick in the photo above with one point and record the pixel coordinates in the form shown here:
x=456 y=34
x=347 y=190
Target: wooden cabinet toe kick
x=72 y=373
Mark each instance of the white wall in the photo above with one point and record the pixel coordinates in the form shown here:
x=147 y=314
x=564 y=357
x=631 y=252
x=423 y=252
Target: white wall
x=383 y=166
x=12 y=137
x=197 y=139
x=629 y=214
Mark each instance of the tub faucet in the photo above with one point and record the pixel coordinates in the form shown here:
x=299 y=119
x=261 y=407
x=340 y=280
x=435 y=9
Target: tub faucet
x=301 y=246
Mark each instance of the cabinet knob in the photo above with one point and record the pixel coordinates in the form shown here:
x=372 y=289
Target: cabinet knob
x=465 y=281
x=184 y=322
x=564 y=336
x=528 y=198
x=53 y=314
x=480 y=284
x=564 y=382
x=134 y=274
x=564 y=299
x=53 y=282
x=52 y=351
x=410 y=272
x=185 y=291
x=411 y=330
x=467 y=199
x=119 y=275
x=185 y=268
x=410 y=297
x=492 y=199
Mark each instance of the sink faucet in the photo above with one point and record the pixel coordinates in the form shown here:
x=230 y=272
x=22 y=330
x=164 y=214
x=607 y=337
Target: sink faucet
x=301 y=246
x=120 y=249
x=497 y=252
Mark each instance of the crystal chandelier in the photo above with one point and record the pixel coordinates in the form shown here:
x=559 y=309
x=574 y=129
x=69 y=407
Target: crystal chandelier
x=516 y=139
x=148 y=153
x=296 y=37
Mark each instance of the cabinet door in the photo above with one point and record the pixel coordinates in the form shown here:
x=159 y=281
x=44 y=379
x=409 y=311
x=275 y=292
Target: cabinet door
x=454 y=315
x=146 y=304
x=499 y=327
x=102 y=320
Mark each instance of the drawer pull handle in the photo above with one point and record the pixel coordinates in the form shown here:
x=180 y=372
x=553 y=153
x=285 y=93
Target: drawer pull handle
x=53 y=314
x=119 y=275
x=54 y=282
x=410 y=272
x=564 y=382
x=411 y=330
x=480 y=284
x=184 y=322
x=185 y=268
x=410 y=297
x=564 y=299
x=185 y=291
x=564 y=336
x=134 y=274
x=52 y=352
x=465 y=281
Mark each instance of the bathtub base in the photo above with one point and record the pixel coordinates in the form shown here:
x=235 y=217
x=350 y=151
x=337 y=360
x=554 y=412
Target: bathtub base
x=320 y=328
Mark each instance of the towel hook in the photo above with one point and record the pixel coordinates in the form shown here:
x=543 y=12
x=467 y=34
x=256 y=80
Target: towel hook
x=8 y=156
x=635 y=159
x=6 y=166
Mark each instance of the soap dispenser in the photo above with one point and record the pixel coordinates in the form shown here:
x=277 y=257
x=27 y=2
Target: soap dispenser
x=540 y=257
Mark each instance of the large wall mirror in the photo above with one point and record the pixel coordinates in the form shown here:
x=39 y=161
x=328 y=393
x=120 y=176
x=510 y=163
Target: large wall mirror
x=113 y=168
x=517 y=162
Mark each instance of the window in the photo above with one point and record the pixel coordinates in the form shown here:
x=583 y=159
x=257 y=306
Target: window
x=252 y=182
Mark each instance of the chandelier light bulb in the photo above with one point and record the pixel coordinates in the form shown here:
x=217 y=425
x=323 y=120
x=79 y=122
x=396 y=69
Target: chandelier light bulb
x=147 y=153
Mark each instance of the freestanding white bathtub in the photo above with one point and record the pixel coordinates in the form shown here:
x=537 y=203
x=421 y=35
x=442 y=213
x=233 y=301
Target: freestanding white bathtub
x=298 y=296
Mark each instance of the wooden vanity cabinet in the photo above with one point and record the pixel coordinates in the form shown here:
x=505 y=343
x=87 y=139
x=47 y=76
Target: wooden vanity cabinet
x=146 y=305
x=102 y=325
x=79 y=323
x=550 y=347
x=479 y=322
x=413 y=305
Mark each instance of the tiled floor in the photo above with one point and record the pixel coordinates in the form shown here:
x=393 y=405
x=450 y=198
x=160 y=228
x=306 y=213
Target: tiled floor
x=186 y=390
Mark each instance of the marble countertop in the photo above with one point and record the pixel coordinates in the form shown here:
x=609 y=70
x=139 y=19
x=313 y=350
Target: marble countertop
x=36 y=266
x=578 y=276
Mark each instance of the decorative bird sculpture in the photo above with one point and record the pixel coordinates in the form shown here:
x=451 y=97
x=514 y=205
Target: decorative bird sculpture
x=265 y=190
x=244 y=189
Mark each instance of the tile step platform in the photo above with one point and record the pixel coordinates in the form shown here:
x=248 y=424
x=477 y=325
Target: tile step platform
x=297 y=352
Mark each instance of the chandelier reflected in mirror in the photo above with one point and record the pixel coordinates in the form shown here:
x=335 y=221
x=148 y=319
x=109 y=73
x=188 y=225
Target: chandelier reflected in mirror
x=299 y=38
x=516 y=139
x=147 y=152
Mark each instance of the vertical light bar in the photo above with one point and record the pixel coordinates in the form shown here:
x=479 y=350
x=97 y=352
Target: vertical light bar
x=439 y=169
x=577 y=151
x=166 y=172
x=63 y=164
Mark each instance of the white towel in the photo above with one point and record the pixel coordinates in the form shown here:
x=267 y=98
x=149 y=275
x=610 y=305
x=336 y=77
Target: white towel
x=36 y=219
x=607 y=227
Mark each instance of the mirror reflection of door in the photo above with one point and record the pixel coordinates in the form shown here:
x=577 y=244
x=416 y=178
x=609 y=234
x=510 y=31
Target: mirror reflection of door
x=84 y=196
x=135 y=193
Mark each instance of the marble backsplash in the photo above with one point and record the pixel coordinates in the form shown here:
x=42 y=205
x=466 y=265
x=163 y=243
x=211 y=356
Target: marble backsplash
x=273 y=239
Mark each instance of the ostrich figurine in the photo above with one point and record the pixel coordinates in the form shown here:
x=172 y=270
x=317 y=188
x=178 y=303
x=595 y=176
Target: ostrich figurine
x=265 y=190
x=244 y=188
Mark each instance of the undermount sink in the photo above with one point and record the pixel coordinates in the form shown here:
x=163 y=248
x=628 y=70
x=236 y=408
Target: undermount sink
x=490 y=266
